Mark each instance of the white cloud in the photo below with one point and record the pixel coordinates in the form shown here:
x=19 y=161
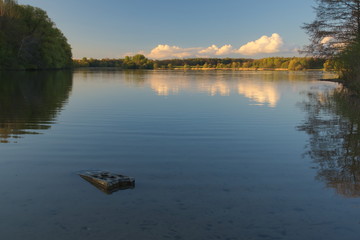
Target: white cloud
x=210 y=50
x=215 y=50
x=166 y=51
x=226 y=49
x=331 y=42
x=264 y=44
x=327 y=40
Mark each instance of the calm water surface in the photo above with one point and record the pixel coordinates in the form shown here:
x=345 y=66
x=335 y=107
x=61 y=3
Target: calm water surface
x=215 y=154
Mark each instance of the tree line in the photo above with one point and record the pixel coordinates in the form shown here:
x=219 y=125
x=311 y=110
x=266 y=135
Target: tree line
x=141 y=62
x=30 y=40
x=335 y=35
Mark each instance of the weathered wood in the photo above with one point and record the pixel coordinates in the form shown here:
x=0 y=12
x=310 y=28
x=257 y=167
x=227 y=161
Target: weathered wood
x=108 y=182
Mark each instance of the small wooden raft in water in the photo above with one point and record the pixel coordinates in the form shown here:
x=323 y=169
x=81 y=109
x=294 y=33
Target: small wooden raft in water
x=108 y=182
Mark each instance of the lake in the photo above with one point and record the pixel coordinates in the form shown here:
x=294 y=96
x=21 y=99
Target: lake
x=215 y=154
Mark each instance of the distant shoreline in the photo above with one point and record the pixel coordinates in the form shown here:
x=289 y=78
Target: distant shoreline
x=212 y=69
x=243 y=69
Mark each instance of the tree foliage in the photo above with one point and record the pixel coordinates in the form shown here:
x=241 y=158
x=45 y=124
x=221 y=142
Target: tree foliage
x=335 y=34
x=337 y=25
x=30 y=40
x=141 y=62
x=138 y=61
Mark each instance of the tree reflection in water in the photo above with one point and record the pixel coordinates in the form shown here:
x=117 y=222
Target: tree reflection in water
x=31 y=101
x=332 y=123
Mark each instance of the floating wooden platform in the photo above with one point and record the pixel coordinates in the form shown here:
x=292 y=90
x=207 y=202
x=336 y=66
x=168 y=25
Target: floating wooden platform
x=108 y=182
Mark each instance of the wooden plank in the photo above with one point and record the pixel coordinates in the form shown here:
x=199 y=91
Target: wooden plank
x=108 y=182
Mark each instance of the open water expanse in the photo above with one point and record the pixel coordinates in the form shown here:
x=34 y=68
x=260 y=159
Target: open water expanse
x=215 y=154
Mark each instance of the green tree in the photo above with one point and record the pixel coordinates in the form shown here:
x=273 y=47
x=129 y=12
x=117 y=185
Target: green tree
x=329 y=65
x=138 y=61
x=337 y=25
x=349 y=64
x=296 y=64
x=30 y=40
x=335 y=34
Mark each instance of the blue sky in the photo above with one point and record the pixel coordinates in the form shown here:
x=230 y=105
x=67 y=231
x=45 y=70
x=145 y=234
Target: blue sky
x=187 y=28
